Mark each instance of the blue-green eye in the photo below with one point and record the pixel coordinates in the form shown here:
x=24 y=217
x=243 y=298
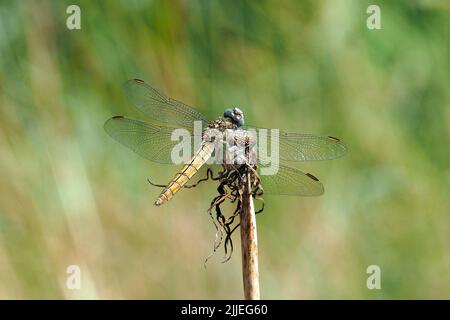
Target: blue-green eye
x=228 y=113
x=236 y=115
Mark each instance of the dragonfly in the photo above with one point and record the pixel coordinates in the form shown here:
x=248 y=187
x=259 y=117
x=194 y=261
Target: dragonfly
x=153 y=141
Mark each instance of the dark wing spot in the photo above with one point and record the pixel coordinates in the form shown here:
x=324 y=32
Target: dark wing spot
x=312 y=177
x=118 y=117
x=333 y=138
x=139 y=81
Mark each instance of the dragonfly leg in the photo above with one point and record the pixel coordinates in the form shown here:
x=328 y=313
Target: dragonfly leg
x=188 y=186
x=220 y=174
x=156 y=185
x=223 y=172
x=209 y=175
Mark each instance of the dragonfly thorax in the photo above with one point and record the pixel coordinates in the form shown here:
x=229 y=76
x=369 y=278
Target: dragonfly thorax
x=216 y=128
x=222 y=124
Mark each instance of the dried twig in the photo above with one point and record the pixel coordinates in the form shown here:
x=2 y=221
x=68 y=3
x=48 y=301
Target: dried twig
x=249 y=245
x=238 y=185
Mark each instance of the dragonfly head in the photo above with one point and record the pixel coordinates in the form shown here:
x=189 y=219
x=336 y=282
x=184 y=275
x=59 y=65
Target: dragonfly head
x=236 y=115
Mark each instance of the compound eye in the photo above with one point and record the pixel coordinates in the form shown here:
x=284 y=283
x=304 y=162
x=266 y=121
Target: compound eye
x=237 y=111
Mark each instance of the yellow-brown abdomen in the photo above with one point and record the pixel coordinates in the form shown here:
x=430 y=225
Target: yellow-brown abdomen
x=186 y=173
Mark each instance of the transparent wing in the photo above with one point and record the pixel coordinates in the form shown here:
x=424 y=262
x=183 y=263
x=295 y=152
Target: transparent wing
x=306 y=147
x=148 y=140
x=156 y=105
x=292 y=182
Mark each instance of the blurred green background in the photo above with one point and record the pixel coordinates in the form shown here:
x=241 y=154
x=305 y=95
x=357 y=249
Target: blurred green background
x=69 y=194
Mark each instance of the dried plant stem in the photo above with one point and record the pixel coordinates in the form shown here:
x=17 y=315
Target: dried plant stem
x=249 y=246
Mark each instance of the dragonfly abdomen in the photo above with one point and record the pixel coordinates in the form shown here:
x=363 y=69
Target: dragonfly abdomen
x=186 y=173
